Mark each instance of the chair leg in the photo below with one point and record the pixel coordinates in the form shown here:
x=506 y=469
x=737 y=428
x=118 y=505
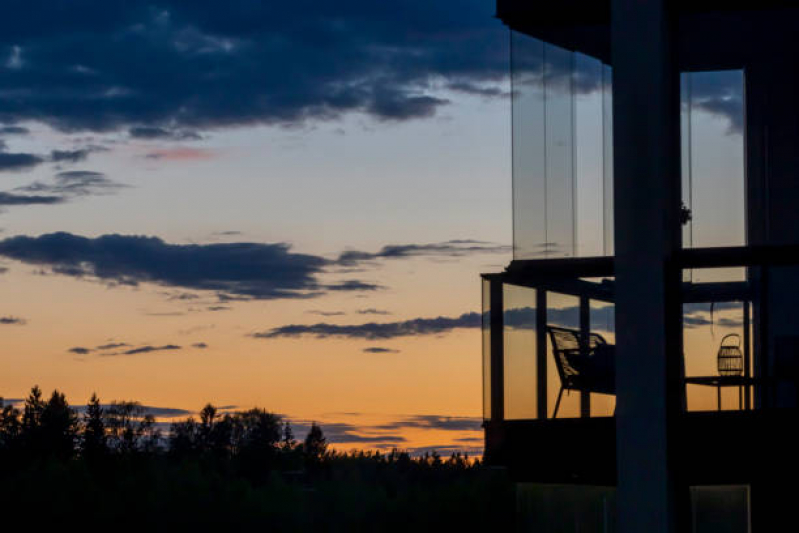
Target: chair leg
x=557 y=404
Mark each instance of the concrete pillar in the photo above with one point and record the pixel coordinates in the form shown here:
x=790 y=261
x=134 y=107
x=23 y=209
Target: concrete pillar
x=646 y=132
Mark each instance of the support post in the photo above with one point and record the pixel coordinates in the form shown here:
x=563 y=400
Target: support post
x=646 y=141
x=497 y=325
x=585 y=340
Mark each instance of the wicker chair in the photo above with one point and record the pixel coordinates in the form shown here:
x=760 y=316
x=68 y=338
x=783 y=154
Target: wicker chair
x=588 y=367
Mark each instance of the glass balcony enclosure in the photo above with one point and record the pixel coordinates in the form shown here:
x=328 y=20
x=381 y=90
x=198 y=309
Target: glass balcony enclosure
x=562 y=150
x=563 y=154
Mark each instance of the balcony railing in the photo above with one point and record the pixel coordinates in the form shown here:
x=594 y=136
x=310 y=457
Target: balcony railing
x=549 y=335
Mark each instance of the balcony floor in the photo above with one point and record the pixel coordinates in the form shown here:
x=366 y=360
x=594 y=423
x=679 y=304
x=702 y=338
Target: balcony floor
x=729 y=447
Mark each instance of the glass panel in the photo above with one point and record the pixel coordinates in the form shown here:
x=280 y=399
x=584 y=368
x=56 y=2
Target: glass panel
x=486 y=329
x=529 y=172
x=782 y=331
x=562 y=311
x=559 y=159
x=713 y=154
x=720 y=509
x=565 y=508
x=589 y=151
x=562 y=151
x=520 y=353
x=603 y=323
x=713 y=337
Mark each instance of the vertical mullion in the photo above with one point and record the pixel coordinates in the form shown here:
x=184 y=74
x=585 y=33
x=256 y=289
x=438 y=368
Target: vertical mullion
x=497 y=352
x=541 y=351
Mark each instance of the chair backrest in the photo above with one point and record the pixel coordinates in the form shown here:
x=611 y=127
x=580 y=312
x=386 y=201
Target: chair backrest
x=567 y=346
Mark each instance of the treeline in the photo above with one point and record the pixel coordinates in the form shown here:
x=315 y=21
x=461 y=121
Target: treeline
x=228 y=471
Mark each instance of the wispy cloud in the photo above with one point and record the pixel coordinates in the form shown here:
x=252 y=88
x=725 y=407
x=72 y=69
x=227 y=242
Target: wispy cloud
x=12 y=321
x=372 y=311
x=11 y=199
x=146 y=349
x=73 y=183
x=453 y=248
x=158 y=133
x=379 y=349
x=376 y=330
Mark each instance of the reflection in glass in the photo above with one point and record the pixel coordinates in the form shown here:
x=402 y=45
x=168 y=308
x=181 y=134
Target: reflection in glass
x=562 y=311
x=562 y=152
x=713 y=158
x=603 y=322
x=705 y=326
x=520 y=352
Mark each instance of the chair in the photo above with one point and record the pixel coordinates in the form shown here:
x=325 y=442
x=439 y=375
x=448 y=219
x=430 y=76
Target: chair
x=588 y=367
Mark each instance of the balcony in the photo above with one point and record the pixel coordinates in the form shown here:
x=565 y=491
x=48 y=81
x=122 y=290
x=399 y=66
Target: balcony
x=549 y=402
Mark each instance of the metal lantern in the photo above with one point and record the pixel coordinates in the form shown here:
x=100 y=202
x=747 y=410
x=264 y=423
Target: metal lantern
x=731 y=360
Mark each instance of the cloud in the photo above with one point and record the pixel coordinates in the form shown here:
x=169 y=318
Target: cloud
x=80 y=350
x=238 y=270
x=12 y=321
x=193 y=65
x=157 y=133
x=353 y=285
x=199 y=345
x=69 y=156
x=106 y=349
x=374 y=330
x=147 y=349
x=379 y=349
x=344 y=433
x=14 y=130
x=443 y=423
x=11 y=199
x=372 y=311
x=453 y=248
x=719 y=93
x=74 y=183
x=325 y=313
x=517 y=318
x=180 y=154
x=18 y=161
x=112 y=346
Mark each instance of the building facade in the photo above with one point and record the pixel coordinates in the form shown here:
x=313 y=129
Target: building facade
x=641 y=351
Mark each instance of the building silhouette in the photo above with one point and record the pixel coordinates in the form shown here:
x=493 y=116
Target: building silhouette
x=641 y=350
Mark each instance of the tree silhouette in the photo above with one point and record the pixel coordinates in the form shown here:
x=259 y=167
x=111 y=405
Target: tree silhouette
x=130 y=428
x=10 y=426
x=289 y=442
x=58 y=427
x=315 y=445
x=95 y=442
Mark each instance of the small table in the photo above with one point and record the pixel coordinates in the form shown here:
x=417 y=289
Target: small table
x=723 y=381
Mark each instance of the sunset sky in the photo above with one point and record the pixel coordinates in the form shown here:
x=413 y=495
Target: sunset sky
x=179 y=180
x=283 y=205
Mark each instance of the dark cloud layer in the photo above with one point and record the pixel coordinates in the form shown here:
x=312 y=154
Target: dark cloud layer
x=18 y=161
x=234 y=270
x=12 y=321
x=196 y=65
